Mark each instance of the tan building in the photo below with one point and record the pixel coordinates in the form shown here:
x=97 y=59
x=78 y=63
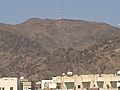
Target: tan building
x=87 y=82
x=8 y=83
x=25 y=84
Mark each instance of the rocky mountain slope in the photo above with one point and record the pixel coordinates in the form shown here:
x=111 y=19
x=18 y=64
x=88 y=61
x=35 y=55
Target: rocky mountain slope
x=39 y=49
x=79 y=34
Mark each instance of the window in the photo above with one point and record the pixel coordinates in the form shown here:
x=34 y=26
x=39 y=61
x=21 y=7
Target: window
x=69 y=85
x=58 y=85
x=118 y=88
x=86 y=84
x=108 y=86
x=11 y=88
x=3 y=88
x=79 y=86
x=100 y=84
x=113 y=84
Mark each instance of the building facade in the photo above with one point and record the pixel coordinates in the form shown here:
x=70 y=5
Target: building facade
x=25 y=84
x=8 y=83
x=87 y=82
x=48 y=84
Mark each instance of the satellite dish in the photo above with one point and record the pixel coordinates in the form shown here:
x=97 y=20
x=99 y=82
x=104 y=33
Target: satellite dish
x=118 y=72
x=63 y=74
x=69 y=73
x=21 y=77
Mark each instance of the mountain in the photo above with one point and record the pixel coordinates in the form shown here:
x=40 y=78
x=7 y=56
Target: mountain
x=79 y=34
x=41 y=48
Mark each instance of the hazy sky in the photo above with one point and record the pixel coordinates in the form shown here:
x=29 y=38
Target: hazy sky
x=16 y=11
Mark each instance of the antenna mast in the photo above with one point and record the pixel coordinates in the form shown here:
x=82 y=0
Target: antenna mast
x=62 y=9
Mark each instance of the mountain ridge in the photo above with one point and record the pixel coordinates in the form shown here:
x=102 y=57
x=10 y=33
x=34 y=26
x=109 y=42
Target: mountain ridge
x=39 y=49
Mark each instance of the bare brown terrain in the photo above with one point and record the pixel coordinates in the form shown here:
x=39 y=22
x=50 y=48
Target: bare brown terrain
x=38 y=48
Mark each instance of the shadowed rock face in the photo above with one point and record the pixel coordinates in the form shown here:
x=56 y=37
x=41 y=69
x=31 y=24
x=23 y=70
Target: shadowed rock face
x=39 y=49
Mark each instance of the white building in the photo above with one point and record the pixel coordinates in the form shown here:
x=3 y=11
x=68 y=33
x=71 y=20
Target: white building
x=48 y=84
x=118 y=82
x=25 y=84
x=8 y=83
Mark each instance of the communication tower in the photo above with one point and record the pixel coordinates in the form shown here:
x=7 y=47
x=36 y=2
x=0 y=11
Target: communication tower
x=62 y=10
